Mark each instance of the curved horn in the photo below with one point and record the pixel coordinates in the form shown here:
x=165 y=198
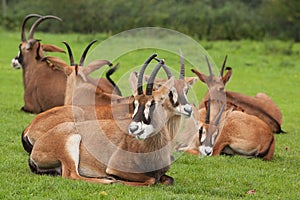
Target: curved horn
x=181 y=76
x=141 y=74
x=70 y=54
x=150 y=84
x=209 y=67
x=219 y=115
x=37 y=22
x=23 y=37
x=168 y=71
x=223 y=66
x=207 y=112
x=166 y=68
x=81 y=62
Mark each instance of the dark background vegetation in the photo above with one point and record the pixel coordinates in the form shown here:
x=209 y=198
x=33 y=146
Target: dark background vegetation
x=201 y=19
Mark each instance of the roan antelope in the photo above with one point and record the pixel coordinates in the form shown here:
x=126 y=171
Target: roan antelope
x=236 y=133
x=231 y=131
x=134 y=152
x=40 y=91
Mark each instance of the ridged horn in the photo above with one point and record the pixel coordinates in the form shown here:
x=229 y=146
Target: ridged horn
x=223 y=66
x=72 y=63
x=182 y=72
x=219 y=115
x=81 y=62
x=23 y=37
x=141 y=74
x=150 y=83
x=37 y=22
x=209 y=67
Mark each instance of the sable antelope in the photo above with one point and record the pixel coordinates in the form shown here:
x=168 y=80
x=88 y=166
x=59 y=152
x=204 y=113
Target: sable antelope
x=120 y=109
x=134 y=152
x=40 y=91
x=236 y=133
x=261 y=105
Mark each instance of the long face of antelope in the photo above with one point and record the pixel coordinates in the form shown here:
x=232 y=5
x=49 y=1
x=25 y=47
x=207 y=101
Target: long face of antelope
x=143 y=122
x=178 y=98
x=207 y=138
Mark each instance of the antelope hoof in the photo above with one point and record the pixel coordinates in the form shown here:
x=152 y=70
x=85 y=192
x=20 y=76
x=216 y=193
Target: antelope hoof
x=166 y=180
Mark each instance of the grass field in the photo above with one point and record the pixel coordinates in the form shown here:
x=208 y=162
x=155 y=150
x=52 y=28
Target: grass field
x=267 y=66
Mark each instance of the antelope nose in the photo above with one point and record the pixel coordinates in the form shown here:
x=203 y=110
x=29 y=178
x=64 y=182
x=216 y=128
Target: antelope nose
x=207 y=151
x=133 y=128
x=188 y=110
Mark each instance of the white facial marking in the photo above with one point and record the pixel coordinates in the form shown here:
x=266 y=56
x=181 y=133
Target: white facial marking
x=203 y=135
x=147 y=110
x=140 y=130
x=205 y=151
x=136 y=106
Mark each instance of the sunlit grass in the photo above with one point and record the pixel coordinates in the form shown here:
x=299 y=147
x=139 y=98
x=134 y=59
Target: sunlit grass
x=270 y=66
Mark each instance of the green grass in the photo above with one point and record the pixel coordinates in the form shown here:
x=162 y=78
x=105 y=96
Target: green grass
x=269 y=66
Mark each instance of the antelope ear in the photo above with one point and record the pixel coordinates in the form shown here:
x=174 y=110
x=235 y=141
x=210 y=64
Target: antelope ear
x=190 y=80
x=162 y=93
x=52 y=48
x=93 y=66
x=133 y=82
x=201 y=76
x=58 y=64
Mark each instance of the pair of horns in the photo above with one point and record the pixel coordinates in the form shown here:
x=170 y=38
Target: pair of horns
x=222 y=69
x=149 y=86
x=82 y=59
x=207 y=119
x=35 y=25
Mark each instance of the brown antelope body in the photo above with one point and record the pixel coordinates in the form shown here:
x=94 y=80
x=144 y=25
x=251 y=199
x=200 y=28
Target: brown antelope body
x=134 y=152
x=231 y=132
x=40 y=91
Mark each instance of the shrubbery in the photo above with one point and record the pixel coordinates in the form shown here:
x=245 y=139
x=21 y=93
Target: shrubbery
x=205 y=19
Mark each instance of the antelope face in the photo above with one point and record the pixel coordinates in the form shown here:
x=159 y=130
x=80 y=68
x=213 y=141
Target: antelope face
x=17 y=61
x=207 y=138
x=149 y=115
x=141 y=125
x=178 y=97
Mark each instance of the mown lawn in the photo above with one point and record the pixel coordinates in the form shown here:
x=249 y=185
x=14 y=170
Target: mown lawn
x=267 y=66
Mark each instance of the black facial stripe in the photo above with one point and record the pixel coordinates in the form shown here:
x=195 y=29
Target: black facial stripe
x=140 y=115
x=19 y=57
x=200 y=134
x=37 y=57
x=174 y=104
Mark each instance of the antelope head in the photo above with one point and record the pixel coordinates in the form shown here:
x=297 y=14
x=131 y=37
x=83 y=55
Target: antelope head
x=31 y=49
x=178 y=94
x=209 y=131
x=149 y=115
x=216 y=87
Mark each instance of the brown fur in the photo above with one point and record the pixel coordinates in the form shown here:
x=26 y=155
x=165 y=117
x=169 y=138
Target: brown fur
x=60 y=143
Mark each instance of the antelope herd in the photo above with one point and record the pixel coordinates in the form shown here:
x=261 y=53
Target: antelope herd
x=86 y=130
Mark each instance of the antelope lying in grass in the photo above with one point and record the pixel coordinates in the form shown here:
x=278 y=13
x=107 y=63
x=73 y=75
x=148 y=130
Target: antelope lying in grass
x=261 y=105
x=231 y=132
x=40 y=91
x=78 y=84
x=236 y=133
x=133 y=151
x=121 y=108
